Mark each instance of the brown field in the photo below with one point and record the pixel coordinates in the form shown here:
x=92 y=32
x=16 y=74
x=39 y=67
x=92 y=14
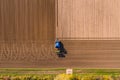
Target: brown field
x=89 y=19
x=89 y=30
x=81 y=54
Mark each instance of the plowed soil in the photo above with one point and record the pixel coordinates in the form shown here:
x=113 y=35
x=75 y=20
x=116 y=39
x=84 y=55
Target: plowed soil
x=80 y=54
